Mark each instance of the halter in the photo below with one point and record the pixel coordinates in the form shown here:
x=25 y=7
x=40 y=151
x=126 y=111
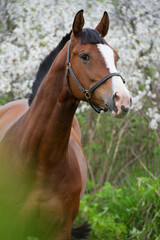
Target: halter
x=87 y=93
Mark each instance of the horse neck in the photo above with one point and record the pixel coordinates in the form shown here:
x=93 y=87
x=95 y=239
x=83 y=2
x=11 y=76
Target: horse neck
x=49 y=119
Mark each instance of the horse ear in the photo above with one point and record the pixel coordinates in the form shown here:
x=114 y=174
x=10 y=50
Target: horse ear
x=78 y=23
x=103 y=26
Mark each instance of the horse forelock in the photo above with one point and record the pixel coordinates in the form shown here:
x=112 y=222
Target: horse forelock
x=91 y=36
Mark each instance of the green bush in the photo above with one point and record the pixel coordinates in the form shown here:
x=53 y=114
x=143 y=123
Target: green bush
x=131 y=212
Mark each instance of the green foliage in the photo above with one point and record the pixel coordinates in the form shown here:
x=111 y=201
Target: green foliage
x=131 y=212
x=119 y=147
x=32 y=238
x=3 y=100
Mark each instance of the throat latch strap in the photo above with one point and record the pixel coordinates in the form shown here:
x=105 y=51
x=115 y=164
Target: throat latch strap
x=87 y=93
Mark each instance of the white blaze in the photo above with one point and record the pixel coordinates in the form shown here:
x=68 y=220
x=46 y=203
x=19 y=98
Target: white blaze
x=108 y=55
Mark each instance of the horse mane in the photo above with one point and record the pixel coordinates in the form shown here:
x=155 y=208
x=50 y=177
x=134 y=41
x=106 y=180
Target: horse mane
x=45 y=66
x=87 y=36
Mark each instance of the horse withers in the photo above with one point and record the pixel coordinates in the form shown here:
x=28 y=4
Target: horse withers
x=41 y=142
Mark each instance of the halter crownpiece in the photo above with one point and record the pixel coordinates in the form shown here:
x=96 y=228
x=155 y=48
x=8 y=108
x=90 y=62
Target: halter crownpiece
x=87 y=93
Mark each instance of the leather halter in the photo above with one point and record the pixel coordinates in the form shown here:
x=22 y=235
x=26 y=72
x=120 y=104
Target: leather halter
x=87 y=93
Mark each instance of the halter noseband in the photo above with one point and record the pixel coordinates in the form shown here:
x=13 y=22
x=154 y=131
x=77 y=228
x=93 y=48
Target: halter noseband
x=87 y=93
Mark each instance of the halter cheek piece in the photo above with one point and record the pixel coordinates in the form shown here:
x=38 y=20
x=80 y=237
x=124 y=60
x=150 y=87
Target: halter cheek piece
x=87 y=93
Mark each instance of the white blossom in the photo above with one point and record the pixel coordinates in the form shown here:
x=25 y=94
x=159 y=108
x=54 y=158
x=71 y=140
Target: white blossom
x=36 y=27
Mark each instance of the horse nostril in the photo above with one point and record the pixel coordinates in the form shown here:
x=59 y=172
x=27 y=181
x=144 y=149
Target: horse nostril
x=125 y=110
x=116 y=97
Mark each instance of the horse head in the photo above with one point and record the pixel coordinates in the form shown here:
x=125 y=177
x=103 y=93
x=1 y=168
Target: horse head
x=92 y=69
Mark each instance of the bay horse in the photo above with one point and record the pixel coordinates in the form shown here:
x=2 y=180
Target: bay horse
x=41 y=142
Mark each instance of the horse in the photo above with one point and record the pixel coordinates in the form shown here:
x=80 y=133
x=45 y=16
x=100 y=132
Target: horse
x=42 y=140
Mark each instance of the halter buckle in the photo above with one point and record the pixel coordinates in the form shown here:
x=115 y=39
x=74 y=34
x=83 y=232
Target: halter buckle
x=87 y=94
x=68 y=65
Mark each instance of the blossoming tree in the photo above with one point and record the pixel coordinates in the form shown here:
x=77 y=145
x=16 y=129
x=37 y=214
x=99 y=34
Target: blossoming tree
x=29 y=30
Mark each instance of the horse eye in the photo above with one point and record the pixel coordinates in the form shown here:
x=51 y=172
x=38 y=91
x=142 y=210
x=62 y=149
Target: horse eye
x=85 y=57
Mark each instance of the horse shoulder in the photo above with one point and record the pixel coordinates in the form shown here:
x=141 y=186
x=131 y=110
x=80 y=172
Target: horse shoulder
x=10 y=113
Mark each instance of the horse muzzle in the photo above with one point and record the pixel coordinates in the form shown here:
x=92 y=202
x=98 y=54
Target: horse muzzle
x=119 y=105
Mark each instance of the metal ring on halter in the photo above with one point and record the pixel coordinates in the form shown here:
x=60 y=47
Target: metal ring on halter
x=87 y=94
